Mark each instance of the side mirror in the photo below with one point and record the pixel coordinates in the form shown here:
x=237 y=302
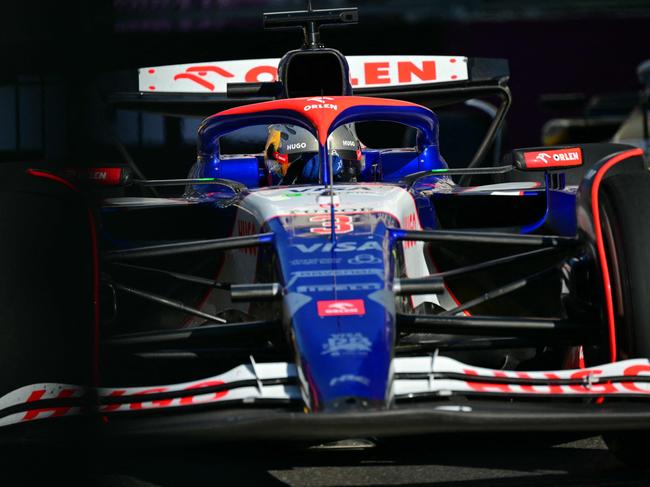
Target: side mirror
x=116 y=176
x=547 y=159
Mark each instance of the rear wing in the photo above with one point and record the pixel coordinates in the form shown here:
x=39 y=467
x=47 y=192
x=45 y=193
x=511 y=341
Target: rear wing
x=201 y=89
x=366 y=72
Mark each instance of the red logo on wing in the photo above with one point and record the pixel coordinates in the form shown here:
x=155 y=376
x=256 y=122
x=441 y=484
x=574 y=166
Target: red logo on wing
x=341 y=307
x=197 y=74
x=553 y=158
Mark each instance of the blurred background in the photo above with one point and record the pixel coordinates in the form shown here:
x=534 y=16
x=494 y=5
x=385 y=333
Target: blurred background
x=58 y=59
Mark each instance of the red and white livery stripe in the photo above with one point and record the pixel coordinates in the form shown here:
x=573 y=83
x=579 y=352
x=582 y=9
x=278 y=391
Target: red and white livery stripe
x=39 y=392
x=589 y=381
x=257 y=373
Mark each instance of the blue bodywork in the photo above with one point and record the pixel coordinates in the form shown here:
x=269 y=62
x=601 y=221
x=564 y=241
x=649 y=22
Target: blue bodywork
x=342 y=357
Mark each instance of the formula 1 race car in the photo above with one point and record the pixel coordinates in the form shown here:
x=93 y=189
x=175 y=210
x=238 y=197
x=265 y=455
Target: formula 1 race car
x=314 y=281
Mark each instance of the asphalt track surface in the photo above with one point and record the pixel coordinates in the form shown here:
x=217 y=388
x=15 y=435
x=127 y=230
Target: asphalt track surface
x=459 y=461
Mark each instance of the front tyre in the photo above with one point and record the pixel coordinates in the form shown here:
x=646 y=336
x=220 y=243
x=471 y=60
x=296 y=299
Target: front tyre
x=625 y=220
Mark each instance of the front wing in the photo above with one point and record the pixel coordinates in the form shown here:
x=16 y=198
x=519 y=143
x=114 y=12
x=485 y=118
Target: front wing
x=432 y=394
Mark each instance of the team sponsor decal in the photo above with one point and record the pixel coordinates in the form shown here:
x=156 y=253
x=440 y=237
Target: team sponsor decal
x=553 y=158
x=359 y=379
x=310 y=262
x=351 y=246
x=66 y=399
x=365 y=72
x=590 y=381
x=347 y=344
x=106 y=176
x=224 y=388
x=67 y=396
x=341 y=307
x=124 y=399
x=297 y=145
x=355 y=286
x=339 y=188
x=364 y=259
x=321 y=103
x=335 y=273
x=99 y=176
x=187 y=400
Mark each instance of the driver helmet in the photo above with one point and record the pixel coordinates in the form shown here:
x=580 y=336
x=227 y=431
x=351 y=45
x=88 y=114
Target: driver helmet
x=291 y=154
x=344 y=148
